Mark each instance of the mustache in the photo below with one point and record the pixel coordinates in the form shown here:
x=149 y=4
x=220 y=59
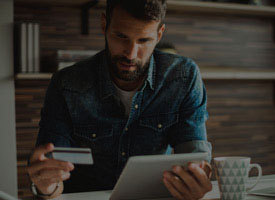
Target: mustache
x=126 y=60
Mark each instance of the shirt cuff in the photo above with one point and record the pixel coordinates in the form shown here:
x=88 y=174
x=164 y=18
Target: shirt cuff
x=195 y=146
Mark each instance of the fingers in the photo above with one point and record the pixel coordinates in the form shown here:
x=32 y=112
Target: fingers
x=49 y=177
x=40 y=151
x=192 y=184
x=46 y=178
x=46 y=187
x=49 y=164
x=201 y=176
x=172 y=189
x=178 y=186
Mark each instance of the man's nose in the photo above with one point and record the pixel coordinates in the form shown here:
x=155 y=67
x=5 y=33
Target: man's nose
x=131 y=51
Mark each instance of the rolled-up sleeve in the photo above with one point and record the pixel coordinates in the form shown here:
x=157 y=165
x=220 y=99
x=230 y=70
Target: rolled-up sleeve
x=189 y=135
x=194 y=147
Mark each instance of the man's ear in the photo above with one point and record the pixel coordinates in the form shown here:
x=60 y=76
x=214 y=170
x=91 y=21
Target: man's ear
x=103 y=23
x=161 y=31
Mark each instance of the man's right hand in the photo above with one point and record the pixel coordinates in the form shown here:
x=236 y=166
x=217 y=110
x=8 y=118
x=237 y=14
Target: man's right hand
x=45 y=172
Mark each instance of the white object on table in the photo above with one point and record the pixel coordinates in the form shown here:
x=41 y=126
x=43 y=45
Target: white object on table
x=266 y=192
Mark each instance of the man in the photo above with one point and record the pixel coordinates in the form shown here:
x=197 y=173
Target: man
x=127 y=100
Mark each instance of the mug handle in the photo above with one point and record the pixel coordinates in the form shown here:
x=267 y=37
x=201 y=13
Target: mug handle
x=258 y=178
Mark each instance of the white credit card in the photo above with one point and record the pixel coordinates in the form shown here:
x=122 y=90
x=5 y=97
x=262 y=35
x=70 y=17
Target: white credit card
x=73 y=155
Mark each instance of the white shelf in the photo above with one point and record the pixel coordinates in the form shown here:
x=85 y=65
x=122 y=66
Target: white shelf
x=33 y=76
x=209 y=73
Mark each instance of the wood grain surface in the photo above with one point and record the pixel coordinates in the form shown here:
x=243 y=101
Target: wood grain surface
x=211 y=40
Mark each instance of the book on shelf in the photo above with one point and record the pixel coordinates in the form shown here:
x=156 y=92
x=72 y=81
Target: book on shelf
x=20 y=47
x=27 y=47
x=30 y=52
x=36 y=48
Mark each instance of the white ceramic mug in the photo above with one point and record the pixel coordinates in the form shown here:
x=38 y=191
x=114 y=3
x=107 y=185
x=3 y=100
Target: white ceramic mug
x=232 y=174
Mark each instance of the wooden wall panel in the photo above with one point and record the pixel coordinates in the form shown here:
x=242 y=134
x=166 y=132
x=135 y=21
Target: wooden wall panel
x=223 y=41
x=211 y=40
x=29 y=97
x=242 y=120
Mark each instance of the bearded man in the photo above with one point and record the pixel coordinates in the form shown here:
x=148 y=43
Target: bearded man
x=130 y=99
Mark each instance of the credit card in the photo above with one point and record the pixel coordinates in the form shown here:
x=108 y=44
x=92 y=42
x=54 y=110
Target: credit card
x=73 y=155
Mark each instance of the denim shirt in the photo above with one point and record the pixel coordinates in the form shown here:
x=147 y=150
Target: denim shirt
x=82 y=109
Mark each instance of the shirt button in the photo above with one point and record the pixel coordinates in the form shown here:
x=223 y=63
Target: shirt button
x=94 y=135
x=123 y=153
x=126 y=129
x=136 y=106
x=159 y=125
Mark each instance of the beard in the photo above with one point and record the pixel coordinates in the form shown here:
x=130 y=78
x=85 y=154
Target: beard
x=125 y=75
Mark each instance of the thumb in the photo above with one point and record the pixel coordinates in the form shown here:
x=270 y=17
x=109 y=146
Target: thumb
x=39 y=152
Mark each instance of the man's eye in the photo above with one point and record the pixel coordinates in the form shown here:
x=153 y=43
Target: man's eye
x=143 y=40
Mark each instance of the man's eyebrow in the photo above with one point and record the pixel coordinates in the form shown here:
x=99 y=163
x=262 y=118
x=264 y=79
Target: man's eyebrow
x=145 y=38
x=117 y=32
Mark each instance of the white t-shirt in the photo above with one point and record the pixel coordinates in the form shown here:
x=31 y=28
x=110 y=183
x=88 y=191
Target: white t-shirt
x=126 y=98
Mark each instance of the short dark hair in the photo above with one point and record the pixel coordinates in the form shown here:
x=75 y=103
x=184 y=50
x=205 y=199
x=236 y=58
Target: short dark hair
x=147 y=10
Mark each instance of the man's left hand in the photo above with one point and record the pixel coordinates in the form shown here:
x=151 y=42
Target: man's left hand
x=188 y=184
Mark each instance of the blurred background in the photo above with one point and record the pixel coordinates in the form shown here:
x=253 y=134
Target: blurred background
x=233 y=42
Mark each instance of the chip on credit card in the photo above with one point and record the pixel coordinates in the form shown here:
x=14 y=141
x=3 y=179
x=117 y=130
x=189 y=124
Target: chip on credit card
x=73 y=155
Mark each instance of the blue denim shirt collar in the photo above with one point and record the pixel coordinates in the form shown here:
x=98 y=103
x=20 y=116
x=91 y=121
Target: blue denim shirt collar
x=152 y=73
x=107 y=87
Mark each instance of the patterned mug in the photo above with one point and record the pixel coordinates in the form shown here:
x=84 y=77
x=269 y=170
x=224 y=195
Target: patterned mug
x=232 y=174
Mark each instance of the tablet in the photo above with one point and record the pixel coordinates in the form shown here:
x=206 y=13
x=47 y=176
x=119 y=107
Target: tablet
x=142 y=176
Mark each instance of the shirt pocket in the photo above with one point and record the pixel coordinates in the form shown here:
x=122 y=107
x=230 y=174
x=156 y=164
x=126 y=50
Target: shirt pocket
x=161 y=122
x=151 y=135
x=98 y=138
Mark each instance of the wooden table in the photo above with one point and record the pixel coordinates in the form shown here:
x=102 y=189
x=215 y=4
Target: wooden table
x=266 y=181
